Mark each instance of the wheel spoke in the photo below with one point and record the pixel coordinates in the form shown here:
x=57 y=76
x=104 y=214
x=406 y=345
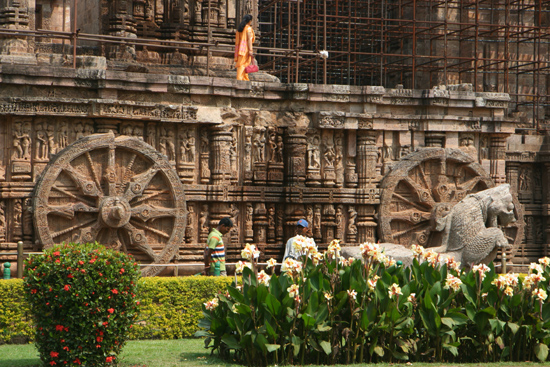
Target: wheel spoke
x=424 y=196
x=470 y=184
x=92 y=168
x=414 y=228
x=149 y=212
x=411 y=216
x=127 y=172
x=411 y=203
x=150 y=229
x=150 y=196
x=110 y=173
x=89 y=234
x=139 y=240
x=69 y=210
x=70 y=229
x=139 y=183
x=86 y=186
x=76 y=197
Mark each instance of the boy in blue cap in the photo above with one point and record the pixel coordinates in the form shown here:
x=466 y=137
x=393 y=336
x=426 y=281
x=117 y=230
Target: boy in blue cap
x=302 y=228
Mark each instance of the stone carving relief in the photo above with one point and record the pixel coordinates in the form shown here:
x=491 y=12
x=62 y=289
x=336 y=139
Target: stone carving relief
x=151 y=227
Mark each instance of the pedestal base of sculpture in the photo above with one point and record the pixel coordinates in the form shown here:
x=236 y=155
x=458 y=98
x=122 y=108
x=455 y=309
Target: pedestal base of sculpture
x=275 y=174
x=186 y=172
x=21 y=170
x=260 y=175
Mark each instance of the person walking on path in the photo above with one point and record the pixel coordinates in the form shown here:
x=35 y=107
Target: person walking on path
x=302 y=228
x=244 y=53
x=215 y=247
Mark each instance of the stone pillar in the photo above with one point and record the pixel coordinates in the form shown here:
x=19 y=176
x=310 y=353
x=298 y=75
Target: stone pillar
x=260 y=226
x=15 y=15
x=512 y=175
x=122 y=24
x=205 y=156
x=367 y=155
x=497 y=157
x=329 y=223
x=295 y=156
x=350 y=172
x=220 y=139
x=366 y=224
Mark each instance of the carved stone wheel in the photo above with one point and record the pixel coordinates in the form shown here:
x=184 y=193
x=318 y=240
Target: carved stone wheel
x=119 y=192
x=423 y=187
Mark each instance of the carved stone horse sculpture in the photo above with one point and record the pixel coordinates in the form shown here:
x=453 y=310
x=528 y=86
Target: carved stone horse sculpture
x=470 y=231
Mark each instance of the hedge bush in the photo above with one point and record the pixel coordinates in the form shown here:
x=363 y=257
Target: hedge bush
x=83 y=299
x=15 y=316
x=170 y=307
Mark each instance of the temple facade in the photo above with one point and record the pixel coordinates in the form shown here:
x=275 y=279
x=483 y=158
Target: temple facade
x=125 y=125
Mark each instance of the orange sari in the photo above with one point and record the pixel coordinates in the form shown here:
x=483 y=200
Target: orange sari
x=242 y=51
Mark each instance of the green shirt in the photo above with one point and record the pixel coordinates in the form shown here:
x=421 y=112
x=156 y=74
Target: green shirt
x=215 y=242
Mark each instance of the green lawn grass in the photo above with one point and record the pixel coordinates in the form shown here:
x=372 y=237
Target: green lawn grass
x=180 y=353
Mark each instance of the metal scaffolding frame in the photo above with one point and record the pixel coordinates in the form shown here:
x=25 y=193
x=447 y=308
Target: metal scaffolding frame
x=496 y=45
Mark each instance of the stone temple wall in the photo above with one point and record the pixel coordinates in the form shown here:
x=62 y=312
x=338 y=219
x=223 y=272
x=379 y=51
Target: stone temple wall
x=147 y=163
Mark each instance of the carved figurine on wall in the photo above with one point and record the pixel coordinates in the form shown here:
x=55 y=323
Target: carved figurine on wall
x=259 y=146
x=339 y=222
x=151 y=135
x=317 y=222
x=352 y=227
x=41 y=143
x=63 y=135
x=78 y=130
x=50 y=135
x=524 y=180
x=203 y=218
x=313 y=152
x=17 y=148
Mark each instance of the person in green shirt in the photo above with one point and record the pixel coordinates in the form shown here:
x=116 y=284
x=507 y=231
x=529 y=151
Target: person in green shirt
x=216 y=248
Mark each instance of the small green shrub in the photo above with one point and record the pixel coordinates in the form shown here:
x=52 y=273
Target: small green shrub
x=83 y=298
x=15 y=318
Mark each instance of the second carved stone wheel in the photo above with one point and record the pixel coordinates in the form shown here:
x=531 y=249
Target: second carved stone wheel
x=119 y=192
x=423 y=187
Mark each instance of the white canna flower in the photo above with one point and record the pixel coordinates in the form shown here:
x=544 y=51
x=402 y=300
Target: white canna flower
x=212 y=304
x=271 y=263
x=453 y=283
x=293 y=290
x=263 y=278
x=394 y=290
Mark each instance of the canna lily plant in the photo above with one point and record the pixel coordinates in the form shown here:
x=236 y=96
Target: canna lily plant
x=326 y=309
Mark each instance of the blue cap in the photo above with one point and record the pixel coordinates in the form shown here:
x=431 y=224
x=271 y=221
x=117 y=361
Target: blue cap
x=302 y=223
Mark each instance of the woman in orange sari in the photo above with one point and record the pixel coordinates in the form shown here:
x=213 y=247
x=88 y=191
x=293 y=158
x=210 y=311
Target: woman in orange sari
x=244 y=53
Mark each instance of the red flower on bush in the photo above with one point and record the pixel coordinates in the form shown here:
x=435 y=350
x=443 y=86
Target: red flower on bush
x=77 y=361
x=81 y=262
x=54 y=354
x=33 y=291
x=67 y=287
x=109 y=359
x=66 y=348
x=58 y=327
x=114 y=291
x=53 y=363
x=121 y=270
x=111 y=310
x=56 y=253
x=70 y=276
